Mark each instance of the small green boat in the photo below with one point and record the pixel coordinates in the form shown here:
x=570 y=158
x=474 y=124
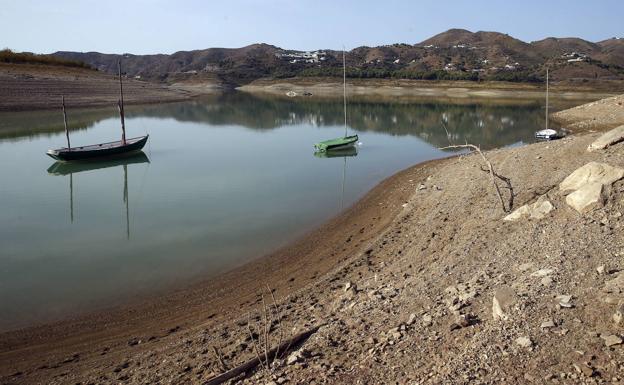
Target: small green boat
x=347 y=140
x=335 y=144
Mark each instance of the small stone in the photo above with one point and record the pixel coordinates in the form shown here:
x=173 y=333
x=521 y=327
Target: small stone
x=547 y=324
x=348 y=286
x=611 y=339
x=422 y=187
x=542 y=273
x=427 y=319
x=525 y=342
x=411 y=319
x=564 y=301
x=280 y=380
x=600 y=269
x=584 y=369
x=546 y=281
x=502 y=301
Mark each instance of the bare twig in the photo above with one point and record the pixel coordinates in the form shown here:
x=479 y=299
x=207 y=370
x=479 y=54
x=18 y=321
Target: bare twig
x=266 y=331
x=490 y=168
x=217 y=353
x=251 y=364
x=254 y=343
x=278 y=316
x=512 y=195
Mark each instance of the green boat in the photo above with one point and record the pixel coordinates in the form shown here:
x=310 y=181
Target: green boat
x=337 y=153
x=347 y=140
x=335 y=144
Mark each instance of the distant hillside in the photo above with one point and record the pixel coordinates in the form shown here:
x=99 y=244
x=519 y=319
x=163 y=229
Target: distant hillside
x=8 y=56
x=451 y=55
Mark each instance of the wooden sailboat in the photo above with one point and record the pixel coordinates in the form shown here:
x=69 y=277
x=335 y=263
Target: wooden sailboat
x=100 y=150
x=346 y=140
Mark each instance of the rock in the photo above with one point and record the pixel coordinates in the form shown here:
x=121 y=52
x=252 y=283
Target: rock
x=611 y=339
x=427 y=319
x=607 y=139
x=547 y=281
x=584 y=369
x=537 y=210
x=542 y=273
x=548 y=324
x=422 y=187
x=502 y=301
x=297 y=356
x=600 y=269
x=520 y=212
x=564 y=301
x=411 y=319
x=616 y=285
x=592 y=172
x=525 y=342
x=348 y=286
x=589 y=197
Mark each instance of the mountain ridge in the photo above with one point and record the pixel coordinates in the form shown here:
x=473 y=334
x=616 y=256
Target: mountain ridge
x=453 y=54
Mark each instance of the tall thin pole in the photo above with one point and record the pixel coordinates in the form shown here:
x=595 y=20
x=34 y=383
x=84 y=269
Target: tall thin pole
x=65 y=121
x=71 y=197
x=547 y=98
x=344 y=88
x=120 y=105
x=344 y=171
x=125 y=168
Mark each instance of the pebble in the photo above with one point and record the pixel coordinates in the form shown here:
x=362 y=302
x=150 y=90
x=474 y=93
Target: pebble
x=525 y=342
x=611 y=339
x=547 y=324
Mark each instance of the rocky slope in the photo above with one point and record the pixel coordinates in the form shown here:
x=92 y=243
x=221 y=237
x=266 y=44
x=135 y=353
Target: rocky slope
x=454 y=54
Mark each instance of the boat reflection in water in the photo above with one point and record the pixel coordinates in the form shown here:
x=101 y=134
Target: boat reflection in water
x=343 y=152
x=71 y=168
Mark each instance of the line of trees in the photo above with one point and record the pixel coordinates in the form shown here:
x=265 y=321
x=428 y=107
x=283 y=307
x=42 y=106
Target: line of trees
x=8 y=56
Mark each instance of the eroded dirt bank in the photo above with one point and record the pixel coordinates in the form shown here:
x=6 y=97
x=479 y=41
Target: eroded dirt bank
x=27 y=87
x=402 y=285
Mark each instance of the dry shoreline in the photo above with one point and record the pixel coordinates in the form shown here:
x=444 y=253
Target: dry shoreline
x=401 y=247
x=209 y=303
x=422 y=89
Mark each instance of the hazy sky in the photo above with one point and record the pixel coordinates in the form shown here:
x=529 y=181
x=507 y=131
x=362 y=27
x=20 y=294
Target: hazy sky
x=159 y=26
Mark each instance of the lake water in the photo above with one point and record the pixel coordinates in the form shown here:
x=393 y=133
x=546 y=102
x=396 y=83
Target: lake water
x=221 y=181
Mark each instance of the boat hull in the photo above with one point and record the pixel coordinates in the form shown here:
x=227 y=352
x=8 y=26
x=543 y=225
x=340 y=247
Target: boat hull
x=98 y=151
x=336 y=144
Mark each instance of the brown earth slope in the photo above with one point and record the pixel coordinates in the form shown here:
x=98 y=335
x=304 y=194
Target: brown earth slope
x=403 y=286
x=31 y=86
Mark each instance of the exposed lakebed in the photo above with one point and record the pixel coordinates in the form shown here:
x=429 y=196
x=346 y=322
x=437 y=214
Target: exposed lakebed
x=222 y=180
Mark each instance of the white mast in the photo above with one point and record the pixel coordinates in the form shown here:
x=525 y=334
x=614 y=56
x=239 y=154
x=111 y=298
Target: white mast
x=344 y=88
x=547 y=98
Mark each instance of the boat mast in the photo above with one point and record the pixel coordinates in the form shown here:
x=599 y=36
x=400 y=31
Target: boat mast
x=125 y=198
x=120 y=105
x=547 y=98
x=344 y=88
x=65 y=121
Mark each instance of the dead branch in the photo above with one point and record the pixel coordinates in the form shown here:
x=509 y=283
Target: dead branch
x=512 y=195
x=255 y=344
x=490 y=167
x=251 y=364
x=278 y=316
x=217 y=353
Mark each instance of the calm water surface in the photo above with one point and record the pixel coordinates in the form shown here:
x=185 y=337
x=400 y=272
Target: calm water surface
x=221 y=181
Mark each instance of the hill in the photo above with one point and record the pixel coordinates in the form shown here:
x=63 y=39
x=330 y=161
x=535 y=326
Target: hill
x=456 y=54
